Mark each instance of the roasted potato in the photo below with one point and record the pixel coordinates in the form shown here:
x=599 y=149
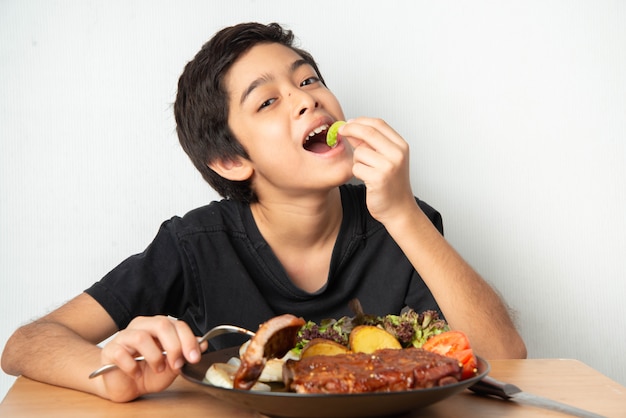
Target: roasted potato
x=322 y=347
x=369 y=338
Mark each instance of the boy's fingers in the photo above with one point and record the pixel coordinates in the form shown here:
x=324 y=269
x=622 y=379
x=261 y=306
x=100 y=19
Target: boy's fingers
x=176 y=338
x=375 y=132
x=189 y=346
x=120 y=356
x=149 y=337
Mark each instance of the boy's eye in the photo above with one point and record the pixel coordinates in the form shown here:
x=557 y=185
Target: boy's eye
x=309 y=81
x=266 y=103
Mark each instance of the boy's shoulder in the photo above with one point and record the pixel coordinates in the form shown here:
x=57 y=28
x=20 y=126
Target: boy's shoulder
x=217 y=215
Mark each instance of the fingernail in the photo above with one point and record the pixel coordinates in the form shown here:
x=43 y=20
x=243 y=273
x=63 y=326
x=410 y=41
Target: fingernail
x=179 y=363
x=194 y=355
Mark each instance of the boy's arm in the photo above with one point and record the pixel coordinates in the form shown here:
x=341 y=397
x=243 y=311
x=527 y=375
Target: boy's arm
x=61 y=349
x=381 y=161
x=466 y=300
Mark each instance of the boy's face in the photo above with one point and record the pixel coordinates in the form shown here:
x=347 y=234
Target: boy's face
x=275 y=102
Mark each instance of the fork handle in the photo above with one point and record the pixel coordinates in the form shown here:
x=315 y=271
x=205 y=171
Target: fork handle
x=108 y=367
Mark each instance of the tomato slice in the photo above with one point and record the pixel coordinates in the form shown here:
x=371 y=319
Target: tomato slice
x=468 y=361
x=454 y=344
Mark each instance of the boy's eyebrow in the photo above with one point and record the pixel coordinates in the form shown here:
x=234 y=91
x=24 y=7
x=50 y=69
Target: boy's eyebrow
x=265 y=78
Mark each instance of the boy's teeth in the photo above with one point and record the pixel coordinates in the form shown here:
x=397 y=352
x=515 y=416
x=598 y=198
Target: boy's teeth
x=317 y=131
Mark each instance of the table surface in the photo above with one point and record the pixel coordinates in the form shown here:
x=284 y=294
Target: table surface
x=565 y=380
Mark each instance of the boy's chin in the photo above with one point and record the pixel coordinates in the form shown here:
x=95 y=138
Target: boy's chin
x=348 y=177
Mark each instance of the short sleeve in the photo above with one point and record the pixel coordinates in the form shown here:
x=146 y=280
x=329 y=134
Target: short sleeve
x=149 y=283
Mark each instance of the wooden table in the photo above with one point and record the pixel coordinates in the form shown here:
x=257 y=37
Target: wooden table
x=568 y=381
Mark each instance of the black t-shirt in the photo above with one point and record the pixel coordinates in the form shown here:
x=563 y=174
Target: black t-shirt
x=212 y=266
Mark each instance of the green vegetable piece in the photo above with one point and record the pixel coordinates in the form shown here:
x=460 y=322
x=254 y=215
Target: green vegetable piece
x=331 y=135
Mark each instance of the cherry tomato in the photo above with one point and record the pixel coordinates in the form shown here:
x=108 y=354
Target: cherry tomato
x=454 y=344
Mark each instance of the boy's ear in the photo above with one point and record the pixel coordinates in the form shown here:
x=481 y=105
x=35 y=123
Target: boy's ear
x=237 y=169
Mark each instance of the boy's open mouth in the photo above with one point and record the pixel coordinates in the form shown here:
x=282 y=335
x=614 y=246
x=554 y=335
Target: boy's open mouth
x=316 y=141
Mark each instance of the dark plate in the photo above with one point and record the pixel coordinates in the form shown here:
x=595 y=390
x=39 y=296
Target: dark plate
x=279 y=403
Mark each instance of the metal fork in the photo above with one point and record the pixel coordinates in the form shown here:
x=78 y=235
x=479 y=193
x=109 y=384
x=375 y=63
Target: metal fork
x=213 y=332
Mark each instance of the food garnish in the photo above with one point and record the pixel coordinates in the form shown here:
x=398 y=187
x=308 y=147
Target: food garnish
x=409 y=328
x=454 y=344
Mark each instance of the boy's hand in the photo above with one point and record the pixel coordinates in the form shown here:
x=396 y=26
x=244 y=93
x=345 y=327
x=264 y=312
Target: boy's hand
x=381 y=161
x=148 y=337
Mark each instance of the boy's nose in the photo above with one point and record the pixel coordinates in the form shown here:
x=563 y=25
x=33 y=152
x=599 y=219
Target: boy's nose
x=303 y=102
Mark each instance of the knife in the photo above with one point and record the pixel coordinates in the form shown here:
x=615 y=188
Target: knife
x=490 y=386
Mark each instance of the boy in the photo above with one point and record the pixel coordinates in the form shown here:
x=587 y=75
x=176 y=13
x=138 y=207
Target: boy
x=290 y=237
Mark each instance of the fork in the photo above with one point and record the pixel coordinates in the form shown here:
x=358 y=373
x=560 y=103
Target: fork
x=213 y=332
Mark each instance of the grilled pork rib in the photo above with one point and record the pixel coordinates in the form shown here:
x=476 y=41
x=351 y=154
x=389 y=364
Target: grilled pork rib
x=385 y=370
x=274 y=339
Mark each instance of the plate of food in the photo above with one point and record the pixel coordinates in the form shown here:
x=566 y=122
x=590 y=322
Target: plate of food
x=278 y=402
x=370 y=375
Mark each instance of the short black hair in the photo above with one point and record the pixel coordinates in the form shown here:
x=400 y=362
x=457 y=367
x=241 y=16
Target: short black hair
x=201 y=106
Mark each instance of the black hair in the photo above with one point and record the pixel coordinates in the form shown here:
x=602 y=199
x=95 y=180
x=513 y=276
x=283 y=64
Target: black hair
x=201 y=106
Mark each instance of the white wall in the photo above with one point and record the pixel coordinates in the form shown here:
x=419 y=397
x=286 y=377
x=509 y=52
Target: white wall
x=516 y=112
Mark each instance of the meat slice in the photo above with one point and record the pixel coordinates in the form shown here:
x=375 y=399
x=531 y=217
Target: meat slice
x=274 y=339
x=384 y=370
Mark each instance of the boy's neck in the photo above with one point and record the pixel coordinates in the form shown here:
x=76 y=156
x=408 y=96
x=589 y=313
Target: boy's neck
x=302 y=234
x=302 y=222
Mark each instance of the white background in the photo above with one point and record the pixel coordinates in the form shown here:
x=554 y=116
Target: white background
x=515 y=112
